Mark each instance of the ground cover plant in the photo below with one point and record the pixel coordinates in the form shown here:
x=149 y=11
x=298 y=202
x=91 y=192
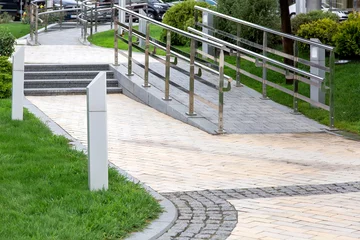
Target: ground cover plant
x=44 y=189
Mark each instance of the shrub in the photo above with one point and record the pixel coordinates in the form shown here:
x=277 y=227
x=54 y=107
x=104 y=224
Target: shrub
x=261 y=12
x=5 y=77
x=347 y=39
x=323 y=29
x=7 y=41
x=181 y=16
x=5 y=17
x=304 y=18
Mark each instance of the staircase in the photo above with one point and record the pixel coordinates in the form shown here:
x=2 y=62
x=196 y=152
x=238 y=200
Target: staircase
x=44 y=80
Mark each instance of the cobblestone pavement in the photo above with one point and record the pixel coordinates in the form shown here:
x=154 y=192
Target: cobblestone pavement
x=278 y=186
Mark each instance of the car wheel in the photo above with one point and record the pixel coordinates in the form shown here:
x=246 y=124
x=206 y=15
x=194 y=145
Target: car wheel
x=150 y=15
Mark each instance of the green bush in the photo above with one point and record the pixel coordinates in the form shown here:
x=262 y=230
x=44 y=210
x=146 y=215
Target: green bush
x=5 y=17
x=323 y=29
x=304 y=18
x=5 y=77
x=347 y=39
x=7 y=41
x=181 y=16
x=261 y=12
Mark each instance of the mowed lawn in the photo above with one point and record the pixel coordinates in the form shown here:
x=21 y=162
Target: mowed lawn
x=44 y=189
x=17 y=29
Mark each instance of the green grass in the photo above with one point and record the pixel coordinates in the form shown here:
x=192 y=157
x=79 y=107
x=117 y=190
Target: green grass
x=106 y=39
x=44 y=189
x=17 y=29
x=347 y=90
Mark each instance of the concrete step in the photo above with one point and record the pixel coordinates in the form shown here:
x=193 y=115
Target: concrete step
x=65 y=75
x=65 y=67
x=64 y=91
x=64 y=83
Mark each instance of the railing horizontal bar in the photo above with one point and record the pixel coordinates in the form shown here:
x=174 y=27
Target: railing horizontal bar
x=327 y=47
x=283 y=65
x=173 y=29
x=61 y=10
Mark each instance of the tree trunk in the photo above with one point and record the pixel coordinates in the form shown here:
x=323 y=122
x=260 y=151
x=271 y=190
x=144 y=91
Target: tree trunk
x=286 y=28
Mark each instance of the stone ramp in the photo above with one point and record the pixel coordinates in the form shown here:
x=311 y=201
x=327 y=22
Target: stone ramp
x=244 y=110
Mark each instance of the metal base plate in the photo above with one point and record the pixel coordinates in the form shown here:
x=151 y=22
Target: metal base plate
x=166 y=99
x=191 y=114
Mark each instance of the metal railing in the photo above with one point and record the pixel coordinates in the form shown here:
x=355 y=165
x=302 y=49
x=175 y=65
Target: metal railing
x=170 y=51
x=267 y=63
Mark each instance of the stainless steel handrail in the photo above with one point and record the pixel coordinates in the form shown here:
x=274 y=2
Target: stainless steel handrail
x=269 y=30
x=167 y=27
x=194 y=38
x=292 y=71
x=61 y=10
x=259 y=56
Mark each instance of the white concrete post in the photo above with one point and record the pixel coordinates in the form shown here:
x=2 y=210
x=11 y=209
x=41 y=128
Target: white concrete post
x=207 y=19
x=142 y=28
x=317 y=55
x=122 y=3
x=313 y=5
x=49 y=4
x=300 y=6
x=18 y=84
x=97 y=133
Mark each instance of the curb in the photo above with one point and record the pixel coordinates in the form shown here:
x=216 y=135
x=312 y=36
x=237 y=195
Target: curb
x=157 y=227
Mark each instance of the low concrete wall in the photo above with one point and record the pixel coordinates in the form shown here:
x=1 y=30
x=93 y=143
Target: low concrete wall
x=132 y=87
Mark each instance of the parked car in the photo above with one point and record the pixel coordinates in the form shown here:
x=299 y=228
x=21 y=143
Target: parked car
x=343 y=15
x=155 y=8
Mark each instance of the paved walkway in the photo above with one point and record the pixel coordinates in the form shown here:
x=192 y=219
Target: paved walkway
x=238 y=186
x=281 y=185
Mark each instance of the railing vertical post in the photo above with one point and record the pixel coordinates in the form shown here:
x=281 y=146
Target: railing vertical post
x=238 y=58
x=112 y=14
x=167 y=67
x=116 y=42
x=192 y=78
x=85 y=30
x=32 y=22
x=264 y=72
x=130 y=46
x=96 y=15
x=147 y=45
x=221 y=93
x=332 y=89
x=36 y=25
x=296 y=82
x=61 y=14
x=77 y=13
x=91 y=21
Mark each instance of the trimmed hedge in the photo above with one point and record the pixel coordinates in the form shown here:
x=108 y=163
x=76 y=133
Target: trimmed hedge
x=347 y=39
x=305 y=18
x=181 y=16
x=7 y=41
x=323 y=29
x=5 y=77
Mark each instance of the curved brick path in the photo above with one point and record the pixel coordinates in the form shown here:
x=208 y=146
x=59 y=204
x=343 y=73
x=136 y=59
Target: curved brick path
x=283 y=186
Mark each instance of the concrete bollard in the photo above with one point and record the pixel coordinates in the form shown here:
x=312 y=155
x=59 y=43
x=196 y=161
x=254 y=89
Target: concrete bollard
x=18 y=85
x=207 y=20
x=142 y=28
x=122 y=16
x=97 y=133
x=317 y=55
